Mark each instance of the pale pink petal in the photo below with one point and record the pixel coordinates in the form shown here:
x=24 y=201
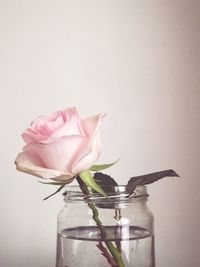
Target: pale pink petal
x=59 y=155
x=91 y=154
x=29 y=136
x=69 y=112
x=51 y=126
x=25 y=163
x=46 y=128
x=54 y=116
x=92 y=124
x=73 y=127
x=39 y=122
x=42 y=127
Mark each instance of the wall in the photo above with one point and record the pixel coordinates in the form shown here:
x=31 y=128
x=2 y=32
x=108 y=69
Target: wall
x=139 y=62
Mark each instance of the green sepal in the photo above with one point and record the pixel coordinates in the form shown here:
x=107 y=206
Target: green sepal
x=87 y=178
x=61 y=183
x=101 y=167
x=58 y=182
x=59 y=189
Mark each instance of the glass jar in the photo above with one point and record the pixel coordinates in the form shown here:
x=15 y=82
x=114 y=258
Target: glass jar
x=95 y=231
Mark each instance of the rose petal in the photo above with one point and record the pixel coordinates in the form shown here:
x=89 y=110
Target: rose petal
x=59 y=155
x=93 y=148
x=52 y=126
x=25 y=163
x=29 y=136
x=73 y=127
x=59 y=124
x=92 y=124
x=69 y=112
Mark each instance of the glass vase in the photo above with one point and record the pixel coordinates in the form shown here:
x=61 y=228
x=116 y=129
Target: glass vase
x=95 y=231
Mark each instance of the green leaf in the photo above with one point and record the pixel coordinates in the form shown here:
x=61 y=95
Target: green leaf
x=101 y=167
x=59 y=189
x=148 y=179
x=87 y=178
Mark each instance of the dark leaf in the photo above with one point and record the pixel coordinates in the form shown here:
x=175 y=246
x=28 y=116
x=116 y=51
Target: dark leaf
x=108 y=184
x=148 y=179
x=105 y=181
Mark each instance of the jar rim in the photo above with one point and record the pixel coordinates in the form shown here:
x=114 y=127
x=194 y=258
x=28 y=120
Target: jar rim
x=74 y=193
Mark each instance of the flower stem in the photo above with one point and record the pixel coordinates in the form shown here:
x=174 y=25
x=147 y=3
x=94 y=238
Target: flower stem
x=88 y=179
x=113 y=250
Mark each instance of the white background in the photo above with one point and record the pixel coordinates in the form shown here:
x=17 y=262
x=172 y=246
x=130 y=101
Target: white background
x=139 y=62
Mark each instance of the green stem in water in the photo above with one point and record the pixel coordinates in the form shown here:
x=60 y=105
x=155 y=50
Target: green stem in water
x=117 y=218
x=113 y=250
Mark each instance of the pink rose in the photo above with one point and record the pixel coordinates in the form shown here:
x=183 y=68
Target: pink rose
x=60 y=146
